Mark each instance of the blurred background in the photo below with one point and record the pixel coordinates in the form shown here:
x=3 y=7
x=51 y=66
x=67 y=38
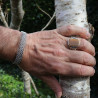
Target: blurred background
x=11 y=83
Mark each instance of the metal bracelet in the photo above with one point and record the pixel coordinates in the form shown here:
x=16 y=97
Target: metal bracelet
x=20 y=49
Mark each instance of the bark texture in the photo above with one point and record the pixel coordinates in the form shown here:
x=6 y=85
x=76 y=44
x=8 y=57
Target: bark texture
x=73 y=12
x=27 y=82
x=17 y=14
x=2 y=17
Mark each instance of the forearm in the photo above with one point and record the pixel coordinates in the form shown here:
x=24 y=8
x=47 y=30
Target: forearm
x=9 y=42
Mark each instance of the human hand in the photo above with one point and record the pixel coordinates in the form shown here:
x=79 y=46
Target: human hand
x=46 y=54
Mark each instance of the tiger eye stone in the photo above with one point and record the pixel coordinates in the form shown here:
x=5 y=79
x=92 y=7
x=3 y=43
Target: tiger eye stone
x=73 y=43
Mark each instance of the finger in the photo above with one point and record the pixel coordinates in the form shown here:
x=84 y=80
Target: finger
x=81 y=57
x=52 y=82
x=74 y=69
x=72 y=30
x=84 y=45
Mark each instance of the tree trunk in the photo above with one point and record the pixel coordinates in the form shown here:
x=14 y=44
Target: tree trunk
x=73 y=12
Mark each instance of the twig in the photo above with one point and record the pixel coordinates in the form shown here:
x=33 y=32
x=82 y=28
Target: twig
x=43 y=11
x=6 y=14
x=3 y=17
x=49 y=22
x=17 y=13
x=34 y=86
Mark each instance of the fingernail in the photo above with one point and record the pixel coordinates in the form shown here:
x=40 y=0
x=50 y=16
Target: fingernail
x=88 y=35
x=94 y=54
x=58 y=95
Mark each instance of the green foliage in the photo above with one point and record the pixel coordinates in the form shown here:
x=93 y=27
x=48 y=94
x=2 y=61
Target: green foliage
x=11 y=85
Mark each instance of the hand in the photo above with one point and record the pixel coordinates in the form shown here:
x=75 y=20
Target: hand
x=46 y=54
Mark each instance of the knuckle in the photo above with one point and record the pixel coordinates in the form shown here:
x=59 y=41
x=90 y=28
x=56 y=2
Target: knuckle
x=58 y=41
x=55 y=68
x=70 y=28
x=67 y=53
x=83 y=30
x=85 y=59
x=58 y=52
x=88 y=60
x=81 y=72
x=83 y=43
x=54 y=32
x=51 y=34
x=58 y=30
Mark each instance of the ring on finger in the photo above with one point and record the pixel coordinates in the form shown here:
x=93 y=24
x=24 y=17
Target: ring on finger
x=73 y=43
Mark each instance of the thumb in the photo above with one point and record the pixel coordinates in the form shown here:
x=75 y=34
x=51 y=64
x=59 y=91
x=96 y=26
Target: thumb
x=52 y=82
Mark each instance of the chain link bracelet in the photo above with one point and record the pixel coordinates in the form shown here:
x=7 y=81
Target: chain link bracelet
x=20 y=50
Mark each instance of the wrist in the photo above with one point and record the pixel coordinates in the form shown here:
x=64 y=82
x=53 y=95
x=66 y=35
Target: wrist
x=29 y=46
x=14 y=44
x=9 y=42
x=20 y=49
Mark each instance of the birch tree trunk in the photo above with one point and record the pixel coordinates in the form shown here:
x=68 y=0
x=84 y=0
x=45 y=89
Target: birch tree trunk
x=73 y=12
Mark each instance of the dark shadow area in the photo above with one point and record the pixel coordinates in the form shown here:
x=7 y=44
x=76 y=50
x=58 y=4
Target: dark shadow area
x=92 y=8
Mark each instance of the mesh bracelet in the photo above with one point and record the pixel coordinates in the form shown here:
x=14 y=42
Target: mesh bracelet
x=20 y=49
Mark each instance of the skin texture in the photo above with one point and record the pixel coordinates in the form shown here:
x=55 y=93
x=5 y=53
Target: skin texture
x=46 y=54
x=9 y=42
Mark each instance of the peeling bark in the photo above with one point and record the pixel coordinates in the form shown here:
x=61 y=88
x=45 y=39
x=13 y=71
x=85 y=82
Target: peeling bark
x=73 y=12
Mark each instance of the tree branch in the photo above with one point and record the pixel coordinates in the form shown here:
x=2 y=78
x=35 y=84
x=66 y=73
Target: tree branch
x=3 y=17
x=17 y=13
x=34 y=86
x=43 y=11
x=49 y=22
x=27 y=83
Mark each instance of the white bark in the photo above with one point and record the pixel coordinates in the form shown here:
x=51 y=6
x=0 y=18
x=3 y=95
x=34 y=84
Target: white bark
x=73 y=12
